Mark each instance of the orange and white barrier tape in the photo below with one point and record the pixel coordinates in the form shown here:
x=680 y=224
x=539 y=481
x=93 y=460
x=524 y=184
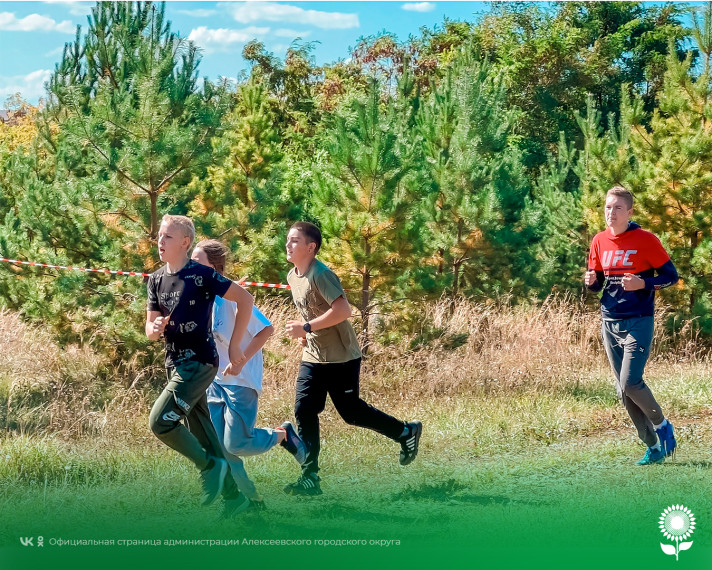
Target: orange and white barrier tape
x=260 y=284
x=72 y=268
x=129 y=273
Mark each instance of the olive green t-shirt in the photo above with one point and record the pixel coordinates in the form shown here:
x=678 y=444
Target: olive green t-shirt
x=313 y=294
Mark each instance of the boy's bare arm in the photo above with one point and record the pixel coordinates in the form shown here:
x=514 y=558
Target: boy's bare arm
x=257 y=342
x=244 y=302
x=339 y=311
x=155 y=324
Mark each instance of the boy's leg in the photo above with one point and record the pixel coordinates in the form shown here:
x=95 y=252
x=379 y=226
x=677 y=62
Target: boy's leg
x=241 y=436
x=613 y=344
x=309 y=402
x=185 y=386
x=201 y=426
x=344 y=392
x=639 y=400
x=623 y=346
x=237 y=468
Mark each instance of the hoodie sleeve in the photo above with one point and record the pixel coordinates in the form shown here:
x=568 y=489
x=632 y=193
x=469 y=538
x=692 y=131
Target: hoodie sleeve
x=594 y=264
x=660 y=260
x=666 y=276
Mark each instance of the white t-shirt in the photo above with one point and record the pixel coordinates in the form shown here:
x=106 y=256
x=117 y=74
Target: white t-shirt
x=224 y=312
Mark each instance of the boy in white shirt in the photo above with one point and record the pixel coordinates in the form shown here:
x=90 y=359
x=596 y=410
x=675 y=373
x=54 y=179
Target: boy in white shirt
x=233 y=399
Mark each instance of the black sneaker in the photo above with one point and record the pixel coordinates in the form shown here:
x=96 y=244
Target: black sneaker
x=294 y=444
x=409 y=443
x=232 y=507
x=213 y=480
x=305 y=485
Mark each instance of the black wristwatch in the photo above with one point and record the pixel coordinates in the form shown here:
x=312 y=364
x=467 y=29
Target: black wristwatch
x=307 y=327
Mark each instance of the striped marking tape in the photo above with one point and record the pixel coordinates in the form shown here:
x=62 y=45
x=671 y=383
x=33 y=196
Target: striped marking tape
x=129 y=273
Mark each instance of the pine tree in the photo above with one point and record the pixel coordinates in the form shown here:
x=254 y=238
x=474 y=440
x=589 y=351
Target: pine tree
x=478 y=188
x=555 y=215
x=125 y=127
x=365 y=201
x=664 y=160
x=239 y=199
x=674 y=176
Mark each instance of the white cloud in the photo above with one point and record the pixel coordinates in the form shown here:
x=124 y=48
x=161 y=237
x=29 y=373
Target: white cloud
x=34 y=23
x=55 y=52
x=30 y=86
x=419 y=7
x=286 y=33
x=248 y=12
x=198 y=13
x=222 y=39
x=76 y=7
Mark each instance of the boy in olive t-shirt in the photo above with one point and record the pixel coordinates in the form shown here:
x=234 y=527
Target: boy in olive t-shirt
x=331 y=360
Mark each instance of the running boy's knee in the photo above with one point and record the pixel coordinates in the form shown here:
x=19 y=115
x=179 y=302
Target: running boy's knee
x=349 y=415
x=163 y=421
x=634 y=384
x=234 y=447
x=304 y=409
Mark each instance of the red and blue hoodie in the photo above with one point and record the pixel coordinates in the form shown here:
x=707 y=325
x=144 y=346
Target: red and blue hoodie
x=634 y=251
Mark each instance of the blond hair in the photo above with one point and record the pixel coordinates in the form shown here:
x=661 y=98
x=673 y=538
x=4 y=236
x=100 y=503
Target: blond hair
x=183 y=223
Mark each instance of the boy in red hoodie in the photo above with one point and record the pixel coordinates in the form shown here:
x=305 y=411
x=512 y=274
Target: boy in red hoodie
x=629 y=265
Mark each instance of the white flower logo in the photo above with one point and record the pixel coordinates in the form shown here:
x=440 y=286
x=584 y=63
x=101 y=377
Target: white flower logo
x=677 y=523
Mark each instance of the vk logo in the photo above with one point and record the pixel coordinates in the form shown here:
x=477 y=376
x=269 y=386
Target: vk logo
x=27 y=540
x=613 y=258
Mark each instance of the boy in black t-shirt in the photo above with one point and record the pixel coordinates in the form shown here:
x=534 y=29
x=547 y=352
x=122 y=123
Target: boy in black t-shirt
x=180 y=300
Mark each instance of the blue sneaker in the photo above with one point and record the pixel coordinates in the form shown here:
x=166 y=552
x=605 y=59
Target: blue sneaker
x=652 y=456
x=294 y=444
x=667 y=438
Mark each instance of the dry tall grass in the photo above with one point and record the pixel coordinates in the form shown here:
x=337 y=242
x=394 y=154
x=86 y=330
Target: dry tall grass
x=471 y=350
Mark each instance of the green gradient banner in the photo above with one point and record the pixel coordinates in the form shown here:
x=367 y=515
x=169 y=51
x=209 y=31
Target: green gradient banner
x=611 y=528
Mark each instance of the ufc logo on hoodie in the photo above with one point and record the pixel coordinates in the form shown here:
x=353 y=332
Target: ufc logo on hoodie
x=617 y=258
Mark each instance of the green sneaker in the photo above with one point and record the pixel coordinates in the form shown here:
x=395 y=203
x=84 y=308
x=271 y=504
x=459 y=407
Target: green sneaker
x=257 y=505
x=652 y=456
x=213 y=480
x=232 y=507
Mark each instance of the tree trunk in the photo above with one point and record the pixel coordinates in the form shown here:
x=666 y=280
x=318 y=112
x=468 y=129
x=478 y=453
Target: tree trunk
x=694 y=241
x=456 y=265
x=154 y=214
x=365 y=300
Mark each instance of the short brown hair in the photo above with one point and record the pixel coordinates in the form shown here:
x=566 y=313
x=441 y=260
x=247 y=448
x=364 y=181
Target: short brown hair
x=216 y=251
x=183 y=222
x=310 y=232
x=622 y=193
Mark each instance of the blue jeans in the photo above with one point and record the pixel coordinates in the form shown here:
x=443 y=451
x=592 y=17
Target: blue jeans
x=233 y=411
x=627 y=343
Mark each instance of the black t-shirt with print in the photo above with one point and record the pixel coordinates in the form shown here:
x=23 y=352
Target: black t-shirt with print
x=187 y=296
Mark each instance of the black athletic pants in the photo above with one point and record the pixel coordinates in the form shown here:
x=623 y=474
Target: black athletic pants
x=341 y=382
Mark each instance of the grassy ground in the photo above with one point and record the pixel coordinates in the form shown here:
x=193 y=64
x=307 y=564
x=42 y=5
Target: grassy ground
x=526 y=459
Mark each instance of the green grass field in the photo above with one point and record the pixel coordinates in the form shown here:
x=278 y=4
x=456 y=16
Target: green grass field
x=519 y=467
x=530 y=478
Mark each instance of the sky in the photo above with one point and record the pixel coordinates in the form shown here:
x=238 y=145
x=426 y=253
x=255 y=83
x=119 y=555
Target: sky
x=33 y=33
